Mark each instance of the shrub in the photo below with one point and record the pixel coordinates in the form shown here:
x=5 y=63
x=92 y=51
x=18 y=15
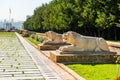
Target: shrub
x=37 y=38
x=40 y=39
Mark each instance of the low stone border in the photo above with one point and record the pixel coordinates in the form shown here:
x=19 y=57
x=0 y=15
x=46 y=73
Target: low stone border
x=70 y=71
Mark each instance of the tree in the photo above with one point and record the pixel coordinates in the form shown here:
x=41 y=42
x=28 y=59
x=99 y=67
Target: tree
x=88 y=17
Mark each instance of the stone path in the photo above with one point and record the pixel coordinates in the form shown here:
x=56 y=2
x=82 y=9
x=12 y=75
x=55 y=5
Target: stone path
x=21 y=61
x=49 y=69
x=46 y=71
x=15 y=62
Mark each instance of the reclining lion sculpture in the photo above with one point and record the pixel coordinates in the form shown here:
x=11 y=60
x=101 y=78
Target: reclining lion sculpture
x=53 y=42
x=83 y=43
x=53 y=37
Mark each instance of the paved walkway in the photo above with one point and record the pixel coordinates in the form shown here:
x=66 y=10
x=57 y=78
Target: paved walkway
x=15 y=62
x=49 y=69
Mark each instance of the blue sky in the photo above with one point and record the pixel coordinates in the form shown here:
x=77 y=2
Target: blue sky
x=19 y=8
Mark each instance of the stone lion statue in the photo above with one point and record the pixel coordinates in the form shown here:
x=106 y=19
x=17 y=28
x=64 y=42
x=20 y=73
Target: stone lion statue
x=54 y=37
x=83 y=43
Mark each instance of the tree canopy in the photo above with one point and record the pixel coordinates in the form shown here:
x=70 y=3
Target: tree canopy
x=88 y=17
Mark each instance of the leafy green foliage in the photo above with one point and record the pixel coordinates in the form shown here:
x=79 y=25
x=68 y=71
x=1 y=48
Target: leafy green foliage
x=88 y=17
x=37 y=38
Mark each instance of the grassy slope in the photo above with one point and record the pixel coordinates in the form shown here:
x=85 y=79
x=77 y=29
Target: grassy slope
x=114 y=40
x=95 y=72
x=32 y=40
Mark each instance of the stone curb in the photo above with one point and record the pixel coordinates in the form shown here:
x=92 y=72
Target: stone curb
x=71 y=72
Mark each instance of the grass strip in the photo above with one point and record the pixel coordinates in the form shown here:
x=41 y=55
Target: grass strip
x=96 y=71
x=32 y=40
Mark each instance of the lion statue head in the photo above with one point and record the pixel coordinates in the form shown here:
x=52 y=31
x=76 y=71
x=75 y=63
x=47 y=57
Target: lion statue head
x=70 y=37
x=55 y=37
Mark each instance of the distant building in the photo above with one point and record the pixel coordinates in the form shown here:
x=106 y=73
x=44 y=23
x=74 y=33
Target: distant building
x=8 y=26
x=4 y=24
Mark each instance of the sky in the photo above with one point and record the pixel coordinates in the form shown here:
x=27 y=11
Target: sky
x=19 y=8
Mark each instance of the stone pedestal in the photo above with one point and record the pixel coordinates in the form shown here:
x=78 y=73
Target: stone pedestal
x=47 y=47
x=50 y=46
x=83 y=57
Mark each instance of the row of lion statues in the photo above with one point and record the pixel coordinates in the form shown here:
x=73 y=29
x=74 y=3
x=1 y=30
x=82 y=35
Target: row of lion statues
x=77 y=41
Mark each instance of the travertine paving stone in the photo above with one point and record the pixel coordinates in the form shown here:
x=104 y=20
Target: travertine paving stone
x=49 y=69
x=15 y=62
x=40 y=60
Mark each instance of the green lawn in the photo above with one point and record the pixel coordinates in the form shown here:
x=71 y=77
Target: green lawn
x=32 y=40
x=114 y=40
x=7 y=34
x=95 y=71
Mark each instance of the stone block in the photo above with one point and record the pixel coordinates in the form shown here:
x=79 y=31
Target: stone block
x=50 y=46
x=47 y=47
x=83 y=57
